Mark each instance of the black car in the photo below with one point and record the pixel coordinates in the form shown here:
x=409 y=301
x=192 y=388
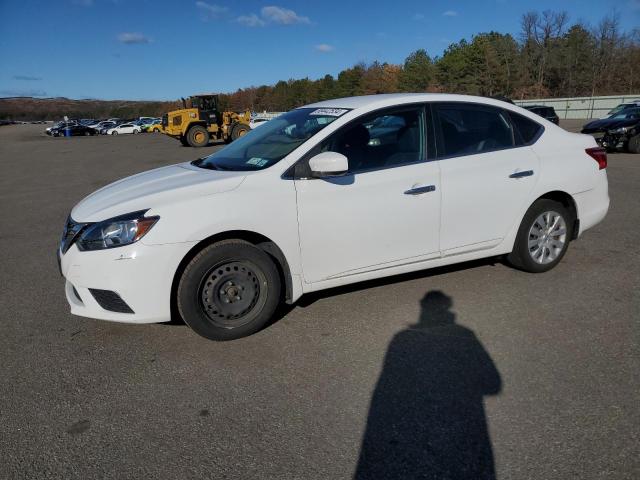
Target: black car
x=545 y=112
x=73 y=131
x=623 y=106
x=620 y=131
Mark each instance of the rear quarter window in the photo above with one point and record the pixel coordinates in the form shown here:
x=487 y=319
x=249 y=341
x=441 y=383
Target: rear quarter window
x=526 y=130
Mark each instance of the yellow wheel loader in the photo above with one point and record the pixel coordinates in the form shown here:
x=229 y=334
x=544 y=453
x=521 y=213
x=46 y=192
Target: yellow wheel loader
x=200 y=121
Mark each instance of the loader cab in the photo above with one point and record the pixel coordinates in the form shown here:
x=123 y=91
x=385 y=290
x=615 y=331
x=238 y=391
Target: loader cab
x=207 y=106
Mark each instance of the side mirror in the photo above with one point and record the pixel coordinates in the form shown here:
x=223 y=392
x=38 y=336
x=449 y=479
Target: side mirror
x=328 y=164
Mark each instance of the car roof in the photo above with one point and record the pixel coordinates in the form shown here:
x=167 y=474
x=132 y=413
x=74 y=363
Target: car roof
x=391 y=99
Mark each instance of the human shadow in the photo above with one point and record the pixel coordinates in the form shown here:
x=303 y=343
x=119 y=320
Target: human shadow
x=426 y=418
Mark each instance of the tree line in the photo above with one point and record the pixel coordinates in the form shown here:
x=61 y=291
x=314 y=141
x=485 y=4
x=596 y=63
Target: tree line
x=551 y=57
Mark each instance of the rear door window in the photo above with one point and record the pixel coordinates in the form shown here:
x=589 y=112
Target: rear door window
x=469 y=129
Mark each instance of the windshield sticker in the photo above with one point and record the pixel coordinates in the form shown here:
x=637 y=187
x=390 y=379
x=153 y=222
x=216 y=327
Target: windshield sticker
x=257 y=161
x=330 y=112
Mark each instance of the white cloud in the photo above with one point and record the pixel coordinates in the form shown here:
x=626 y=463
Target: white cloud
x=22 y=93
x=272 y=15
x=251 y=20
x=211 y=11
x=132 y=38
x=27 y=78
x=283 y=16
x=418 y=17
x=450 y=13
x=324 y=48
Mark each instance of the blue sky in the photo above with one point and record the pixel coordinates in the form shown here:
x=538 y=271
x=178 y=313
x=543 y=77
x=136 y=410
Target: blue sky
x=164 y=49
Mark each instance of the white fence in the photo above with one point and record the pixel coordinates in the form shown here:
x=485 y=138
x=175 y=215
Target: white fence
x=581 y=107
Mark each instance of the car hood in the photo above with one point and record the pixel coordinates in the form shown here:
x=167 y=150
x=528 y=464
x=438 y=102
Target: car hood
x=608 y=124
x=152 y=189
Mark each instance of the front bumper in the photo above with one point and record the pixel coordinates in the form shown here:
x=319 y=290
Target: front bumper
x=141 y=275
x=612 y=141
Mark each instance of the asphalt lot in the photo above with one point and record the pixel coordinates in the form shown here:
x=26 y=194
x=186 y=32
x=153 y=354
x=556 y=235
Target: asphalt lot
x=476 y=371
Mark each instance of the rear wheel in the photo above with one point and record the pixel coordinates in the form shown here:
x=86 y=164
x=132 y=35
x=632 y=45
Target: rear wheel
x=543 y=237
x=229 y=290
x=197 y=136
x=634 y=144
x=238 y=130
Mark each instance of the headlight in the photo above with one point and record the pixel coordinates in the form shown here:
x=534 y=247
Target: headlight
x=619 y=130
x=116 y=232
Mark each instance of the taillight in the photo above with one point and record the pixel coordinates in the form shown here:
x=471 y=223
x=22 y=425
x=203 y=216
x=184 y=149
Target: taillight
x=599 y=154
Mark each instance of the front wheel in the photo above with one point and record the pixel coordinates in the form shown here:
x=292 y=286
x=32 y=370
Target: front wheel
x=114 y=133
x=238 y=130
x=543 y=237
x=197 y=136
x=229 y=290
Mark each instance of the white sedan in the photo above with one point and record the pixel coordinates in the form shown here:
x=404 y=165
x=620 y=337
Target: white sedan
x=330 y=194
x=124 y=128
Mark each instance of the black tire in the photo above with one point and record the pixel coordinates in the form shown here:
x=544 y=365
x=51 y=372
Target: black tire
x=522 y=257
x=87 y=133
x=135 y=132
x=238 y=130
x=197 y=136
x=633 y=146
x=229 y=290
x=184 y=142
x=114 y=133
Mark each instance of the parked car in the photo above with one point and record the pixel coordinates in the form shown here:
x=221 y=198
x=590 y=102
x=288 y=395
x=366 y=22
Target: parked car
x=618 y=132
x=59 y=125
x=73 y=131
x=623 y=106
x=155 y=128
x=104 y=126
x=146 y=127
x=545 y=112
x=273 y=215
x=124 y=128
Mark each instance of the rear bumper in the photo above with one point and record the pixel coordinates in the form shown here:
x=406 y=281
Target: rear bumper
x=140 y=275
x=593 y=204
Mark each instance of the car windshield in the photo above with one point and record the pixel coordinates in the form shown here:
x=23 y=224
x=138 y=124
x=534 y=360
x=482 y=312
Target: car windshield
x=619 y=109
x=627 y=113
x=269 y=144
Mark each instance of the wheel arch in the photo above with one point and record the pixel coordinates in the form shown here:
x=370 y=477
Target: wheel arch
x=262 y=242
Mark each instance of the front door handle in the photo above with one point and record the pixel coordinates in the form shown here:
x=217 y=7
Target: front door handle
x=525 y=173
x=420 y=190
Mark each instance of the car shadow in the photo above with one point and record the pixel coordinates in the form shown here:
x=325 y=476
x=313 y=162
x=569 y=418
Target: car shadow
x=309 y=299
x=427 y=418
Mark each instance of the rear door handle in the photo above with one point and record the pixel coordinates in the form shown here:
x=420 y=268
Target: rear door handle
x=525 y=173
x=420 y=190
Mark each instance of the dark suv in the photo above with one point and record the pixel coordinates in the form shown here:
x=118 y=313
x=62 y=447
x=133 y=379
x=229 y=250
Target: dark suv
x=545 y=112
